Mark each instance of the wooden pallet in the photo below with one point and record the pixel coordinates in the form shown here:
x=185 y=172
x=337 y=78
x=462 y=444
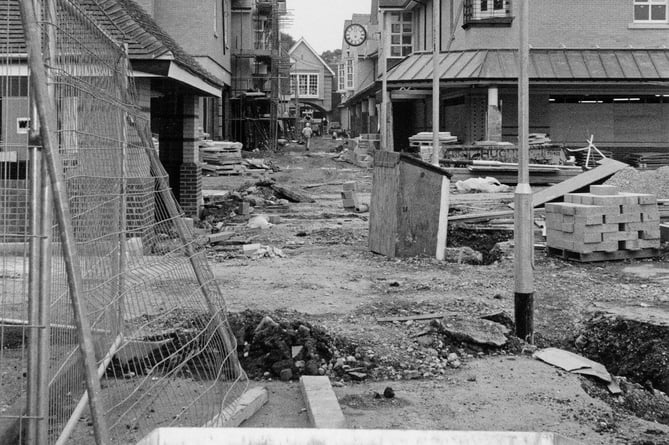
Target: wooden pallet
x=591 y=257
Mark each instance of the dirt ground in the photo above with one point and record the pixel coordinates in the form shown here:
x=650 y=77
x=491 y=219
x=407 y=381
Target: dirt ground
x=329 y=277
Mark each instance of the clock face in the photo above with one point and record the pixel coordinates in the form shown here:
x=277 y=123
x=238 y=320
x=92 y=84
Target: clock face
x=355 y=34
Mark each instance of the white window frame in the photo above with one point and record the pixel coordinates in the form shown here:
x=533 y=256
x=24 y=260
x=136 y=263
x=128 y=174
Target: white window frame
x=401 y=27
x=341 y=77
x=350 y=74
x=650 y=4
x=493 y=8
x=309 y=85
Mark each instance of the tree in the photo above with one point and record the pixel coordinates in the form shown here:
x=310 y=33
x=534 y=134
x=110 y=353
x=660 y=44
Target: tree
x=332 y=57
x=287 y=42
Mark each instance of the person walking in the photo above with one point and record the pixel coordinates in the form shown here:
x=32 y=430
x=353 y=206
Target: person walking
x=307 y=132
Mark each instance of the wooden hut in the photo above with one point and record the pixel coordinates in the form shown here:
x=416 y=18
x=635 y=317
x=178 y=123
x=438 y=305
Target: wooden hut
x=409 y=206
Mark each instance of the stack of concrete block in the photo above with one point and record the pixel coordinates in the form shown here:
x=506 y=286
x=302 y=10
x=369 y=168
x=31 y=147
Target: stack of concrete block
x=603 y=220
x=349 y=195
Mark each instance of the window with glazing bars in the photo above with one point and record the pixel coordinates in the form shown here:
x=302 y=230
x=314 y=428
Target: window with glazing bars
x=650 y=11
x=401 y=34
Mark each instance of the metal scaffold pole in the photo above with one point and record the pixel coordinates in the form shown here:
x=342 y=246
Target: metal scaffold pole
x=274 y=94
x=47 y=118
x=385 y=97
x=523 y=232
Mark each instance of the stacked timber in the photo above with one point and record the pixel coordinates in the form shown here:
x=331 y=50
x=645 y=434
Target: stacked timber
x=538 y=138
x=603 y=224
x=648 y=160
x=221 y=157
x=421 y=143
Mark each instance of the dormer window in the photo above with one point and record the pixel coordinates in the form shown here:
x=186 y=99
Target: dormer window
x=487 y=13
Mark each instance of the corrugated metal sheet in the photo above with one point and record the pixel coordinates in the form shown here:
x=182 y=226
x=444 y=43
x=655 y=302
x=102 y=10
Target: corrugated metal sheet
x=545 y=64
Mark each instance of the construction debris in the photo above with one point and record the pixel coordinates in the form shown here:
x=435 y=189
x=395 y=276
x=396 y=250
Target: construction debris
x=474 y=330
x=291 y=195
x=483 y=185
x=578 y=365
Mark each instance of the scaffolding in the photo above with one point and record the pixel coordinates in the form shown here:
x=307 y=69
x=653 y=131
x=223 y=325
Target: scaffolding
x=255 y=100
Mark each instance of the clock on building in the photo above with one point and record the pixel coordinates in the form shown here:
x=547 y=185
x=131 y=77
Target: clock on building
x=355 y=34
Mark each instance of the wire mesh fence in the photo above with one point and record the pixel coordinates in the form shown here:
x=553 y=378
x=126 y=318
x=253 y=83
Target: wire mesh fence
x=162 y=342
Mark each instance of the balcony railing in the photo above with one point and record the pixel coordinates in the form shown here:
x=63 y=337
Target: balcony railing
x=487 y=13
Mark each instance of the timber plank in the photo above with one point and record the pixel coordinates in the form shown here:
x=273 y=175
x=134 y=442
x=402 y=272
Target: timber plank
x=607 y=168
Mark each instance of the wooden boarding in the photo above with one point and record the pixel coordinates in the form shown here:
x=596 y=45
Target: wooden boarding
x=244 y=408
x=606 y=169
x=664 y=233
x=322 y=404
x=305 y=436
x=592 y=257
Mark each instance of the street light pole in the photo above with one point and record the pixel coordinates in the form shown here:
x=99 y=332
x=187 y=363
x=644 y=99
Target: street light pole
x=523 y=231
x=436 y=6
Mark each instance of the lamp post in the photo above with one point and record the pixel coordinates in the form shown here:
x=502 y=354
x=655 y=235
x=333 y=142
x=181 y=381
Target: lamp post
x=436 y=6
x=523 y=232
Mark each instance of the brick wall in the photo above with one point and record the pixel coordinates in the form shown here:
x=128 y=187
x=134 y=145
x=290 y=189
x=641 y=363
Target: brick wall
x=190 y=178
x=177 y=121
x=573 y=23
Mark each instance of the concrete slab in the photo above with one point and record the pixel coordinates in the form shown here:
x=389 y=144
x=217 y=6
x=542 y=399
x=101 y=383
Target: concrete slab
x=290 y=436
x=322 y=404
x=243 y=408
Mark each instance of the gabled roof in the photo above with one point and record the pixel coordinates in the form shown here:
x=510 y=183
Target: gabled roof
x=302 y=41
x=545 y=65
x=394 y=4
x=125 y=22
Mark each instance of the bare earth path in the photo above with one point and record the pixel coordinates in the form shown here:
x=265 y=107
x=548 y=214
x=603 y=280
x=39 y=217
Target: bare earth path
x=331 y=279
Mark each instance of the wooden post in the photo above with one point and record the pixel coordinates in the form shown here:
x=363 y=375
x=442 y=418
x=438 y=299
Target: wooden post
x=523 y=232
x=47 y=118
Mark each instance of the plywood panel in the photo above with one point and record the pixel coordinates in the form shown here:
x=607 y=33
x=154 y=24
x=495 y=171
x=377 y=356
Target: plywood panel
x=418 y=211
x=383 y=204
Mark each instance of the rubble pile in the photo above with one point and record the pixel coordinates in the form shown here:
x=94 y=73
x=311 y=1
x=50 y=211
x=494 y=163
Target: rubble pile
x=635 y=181
x=275 y=346
x=282 y=346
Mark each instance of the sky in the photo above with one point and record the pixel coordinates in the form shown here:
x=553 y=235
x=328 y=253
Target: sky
x=321 y=22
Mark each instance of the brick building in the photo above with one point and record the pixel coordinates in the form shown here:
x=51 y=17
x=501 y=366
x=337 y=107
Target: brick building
x=596 y=68
x=171 y=84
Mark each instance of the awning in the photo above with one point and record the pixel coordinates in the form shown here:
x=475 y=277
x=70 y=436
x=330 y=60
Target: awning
x=172 y=70
x=545 y=65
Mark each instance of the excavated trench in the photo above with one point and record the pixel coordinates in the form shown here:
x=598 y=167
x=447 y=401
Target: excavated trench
x=481 y=239
x=632 y=343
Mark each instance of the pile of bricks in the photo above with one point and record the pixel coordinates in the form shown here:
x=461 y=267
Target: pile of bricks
x=603 y=220
x=349 y=195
